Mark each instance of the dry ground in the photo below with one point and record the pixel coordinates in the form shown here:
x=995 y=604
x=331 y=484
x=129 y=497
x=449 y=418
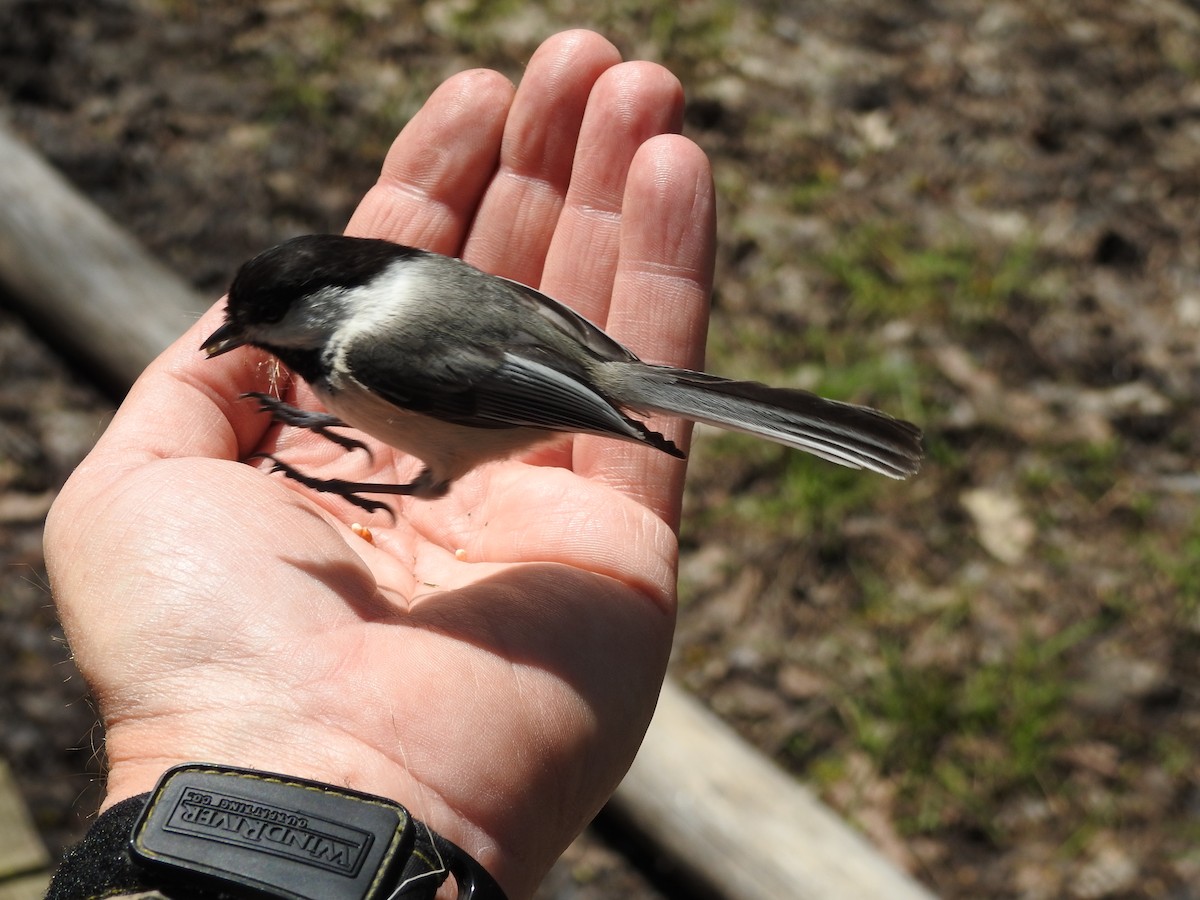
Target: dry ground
x=979 y=214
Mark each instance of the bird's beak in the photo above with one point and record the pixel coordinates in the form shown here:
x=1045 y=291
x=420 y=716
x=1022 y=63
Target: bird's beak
x=227 y=337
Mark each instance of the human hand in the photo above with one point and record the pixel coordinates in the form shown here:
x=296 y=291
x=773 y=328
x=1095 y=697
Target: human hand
x=493 y=658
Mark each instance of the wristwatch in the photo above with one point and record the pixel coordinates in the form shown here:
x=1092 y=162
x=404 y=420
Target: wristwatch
x=211 y=832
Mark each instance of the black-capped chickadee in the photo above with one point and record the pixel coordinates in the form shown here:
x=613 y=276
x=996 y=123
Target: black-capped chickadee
x=457 y=367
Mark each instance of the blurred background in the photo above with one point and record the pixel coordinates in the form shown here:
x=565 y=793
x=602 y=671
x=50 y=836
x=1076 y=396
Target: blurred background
x=981 y=216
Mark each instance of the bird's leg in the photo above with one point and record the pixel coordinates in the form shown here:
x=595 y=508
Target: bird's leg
x=423 y=485
x=347 y=490
x=319 y=423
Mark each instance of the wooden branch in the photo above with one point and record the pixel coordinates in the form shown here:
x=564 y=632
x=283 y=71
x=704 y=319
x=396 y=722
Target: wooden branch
x=739 y=823
x=81 y=279
x=723 y=811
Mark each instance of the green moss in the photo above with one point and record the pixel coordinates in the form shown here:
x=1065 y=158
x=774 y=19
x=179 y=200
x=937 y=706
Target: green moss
x=957 y=745
x=886 y=272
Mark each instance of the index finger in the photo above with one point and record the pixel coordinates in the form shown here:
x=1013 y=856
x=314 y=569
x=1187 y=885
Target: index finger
x=439 y=166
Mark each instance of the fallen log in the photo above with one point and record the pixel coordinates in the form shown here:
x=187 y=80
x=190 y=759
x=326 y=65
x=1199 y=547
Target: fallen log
x=740 y=824
x=83 y=282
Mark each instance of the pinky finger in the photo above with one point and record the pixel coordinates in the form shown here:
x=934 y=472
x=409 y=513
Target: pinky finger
x=660 y=303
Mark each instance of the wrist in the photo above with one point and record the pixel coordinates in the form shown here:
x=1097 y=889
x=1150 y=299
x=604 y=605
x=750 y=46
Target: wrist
x=255 y=735
x=141 y=752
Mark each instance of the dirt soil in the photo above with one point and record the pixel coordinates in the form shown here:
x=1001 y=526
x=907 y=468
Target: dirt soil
x=982 y=215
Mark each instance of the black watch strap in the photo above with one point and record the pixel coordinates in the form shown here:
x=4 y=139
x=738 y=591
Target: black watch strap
x=211 y=832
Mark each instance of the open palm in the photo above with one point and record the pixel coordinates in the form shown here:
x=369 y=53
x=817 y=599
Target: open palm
x=492 y=659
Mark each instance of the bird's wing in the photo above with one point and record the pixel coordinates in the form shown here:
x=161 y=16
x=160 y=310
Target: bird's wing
x=565 y=319
x=489 y=387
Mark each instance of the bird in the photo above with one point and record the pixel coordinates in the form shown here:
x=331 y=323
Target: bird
x=459 y=367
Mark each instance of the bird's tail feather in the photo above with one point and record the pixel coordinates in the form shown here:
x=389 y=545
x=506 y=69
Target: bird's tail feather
x=854 y=436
